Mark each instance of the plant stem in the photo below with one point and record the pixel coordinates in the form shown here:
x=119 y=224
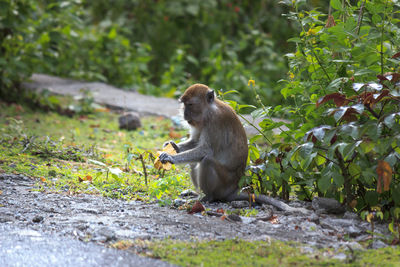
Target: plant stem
x=144 y=168
x=347 y=178
x=382 y=31
x=360 y=17
x=255 y=127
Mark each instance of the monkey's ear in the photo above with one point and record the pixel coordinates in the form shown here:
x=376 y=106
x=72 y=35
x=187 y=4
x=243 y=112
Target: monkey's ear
x=210 y=96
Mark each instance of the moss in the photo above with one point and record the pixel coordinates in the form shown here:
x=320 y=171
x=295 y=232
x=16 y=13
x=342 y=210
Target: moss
x=237 y=253
x=263 y=253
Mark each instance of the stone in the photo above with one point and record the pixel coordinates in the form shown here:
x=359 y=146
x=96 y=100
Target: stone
x=240 y=204
x=378 y=244
x=129 y=121
x=327 y=205
x=234 y=218
x=350 y=215
x=189 y=193
x=179 y=202
x=314 y=218
x=37 y=219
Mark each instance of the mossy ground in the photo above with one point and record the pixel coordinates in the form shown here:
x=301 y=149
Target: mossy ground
x=89 y=154
x=256 y=253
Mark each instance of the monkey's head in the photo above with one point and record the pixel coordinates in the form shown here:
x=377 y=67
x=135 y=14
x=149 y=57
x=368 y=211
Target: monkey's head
x=197 y=101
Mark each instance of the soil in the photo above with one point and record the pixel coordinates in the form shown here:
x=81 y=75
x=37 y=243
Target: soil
x=104 y=221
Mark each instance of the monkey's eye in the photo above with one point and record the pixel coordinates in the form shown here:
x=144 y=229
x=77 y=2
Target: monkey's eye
x=189 y=104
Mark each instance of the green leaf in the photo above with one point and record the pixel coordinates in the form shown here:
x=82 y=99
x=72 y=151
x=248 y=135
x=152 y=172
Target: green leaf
x=306 y=149
x=246 y=106
x=338 y=178
x=115 y=171
x=324 y=183
x=367 y=146
x=396 y=194
x=371 y=198
x=112 y=34
x=97 y=162
x=305 y=163
x=336 y=4
x=354 y=169
x=319 y=160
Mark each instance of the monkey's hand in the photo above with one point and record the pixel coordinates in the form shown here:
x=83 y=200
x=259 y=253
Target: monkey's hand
x=175 y=146
x=165 y=157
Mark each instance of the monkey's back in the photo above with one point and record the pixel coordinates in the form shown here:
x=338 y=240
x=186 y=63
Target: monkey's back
x=230 y=141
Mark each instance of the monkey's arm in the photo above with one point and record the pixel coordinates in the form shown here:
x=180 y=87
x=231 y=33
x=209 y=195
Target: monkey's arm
x=186 y=145
x=192 y=155
x=183 y=146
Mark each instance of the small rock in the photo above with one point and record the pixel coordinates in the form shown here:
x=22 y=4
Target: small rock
x=340 y=256
x=314 y=218
x=328 y=205
x=234 y=218
x=378 y=244
x=265 y=214
x=240 y=204
x=37 y=219
x=6 y=218
x=189 y=193
x=350 y=215
x=104 y=234
x=179 y=202
x=129 y=121
x=354 y=231
x=354 y=246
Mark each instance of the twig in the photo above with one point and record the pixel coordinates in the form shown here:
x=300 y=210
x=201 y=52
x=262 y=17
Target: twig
x=144 y=168
x=360 y=17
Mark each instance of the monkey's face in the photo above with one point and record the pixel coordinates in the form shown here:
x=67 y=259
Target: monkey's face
x=192 y=112
x=196 y=102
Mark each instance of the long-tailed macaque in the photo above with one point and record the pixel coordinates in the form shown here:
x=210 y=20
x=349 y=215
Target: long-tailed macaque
x=217 y=148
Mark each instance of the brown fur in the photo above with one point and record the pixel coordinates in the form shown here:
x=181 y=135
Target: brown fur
x=217 y=148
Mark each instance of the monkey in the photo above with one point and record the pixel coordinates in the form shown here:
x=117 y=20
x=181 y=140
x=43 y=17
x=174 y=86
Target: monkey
x=217 y=148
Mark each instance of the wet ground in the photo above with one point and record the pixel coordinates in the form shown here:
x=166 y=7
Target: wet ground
x=95 y=220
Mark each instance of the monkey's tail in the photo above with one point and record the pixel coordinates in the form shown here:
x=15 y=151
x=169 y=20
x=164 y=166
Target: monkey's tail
x=263 y=199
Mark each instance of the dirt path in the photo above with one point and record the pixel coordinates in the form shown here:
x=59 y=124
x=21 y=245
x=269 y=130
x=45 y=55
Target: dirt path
x=104 y=221
x=108 y=95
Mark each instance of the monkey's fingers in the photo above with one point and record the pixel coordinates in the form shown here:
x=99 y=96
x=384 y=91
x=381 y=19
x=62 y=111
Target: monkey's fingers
x=161 y=162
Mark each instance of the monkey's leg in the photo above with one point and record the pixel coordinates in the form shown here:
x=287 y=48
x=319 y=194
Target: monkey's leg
x=194 y=174
x=214 y=180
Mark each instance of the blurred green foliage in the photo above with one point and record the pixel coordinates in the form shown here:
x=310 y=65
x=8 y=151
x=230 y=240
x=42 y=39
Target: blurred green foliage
x=154 y=47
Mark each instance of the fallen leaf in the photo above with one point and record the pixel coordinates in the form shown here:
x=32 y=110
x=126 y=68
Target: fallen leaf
x=174 y=135
x=94 y=125
x=166 y=166
x=221 y=210
x=43 y=179
x=274 y=219
x=1 y=192
x=197 y=207
x=353 y=203
x=122 y=244
x=384 y=172
x=223 y=217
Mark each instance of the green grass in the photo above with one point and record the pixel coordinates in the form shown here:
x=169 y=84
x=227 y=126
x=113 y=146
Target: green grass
x=88 y=154
x=258 y=253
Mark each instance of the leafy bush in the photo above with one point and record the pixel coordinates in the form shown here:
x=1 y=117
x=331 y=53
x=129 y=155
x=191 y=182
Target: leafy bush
x=343 y=139
x=158 y=48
